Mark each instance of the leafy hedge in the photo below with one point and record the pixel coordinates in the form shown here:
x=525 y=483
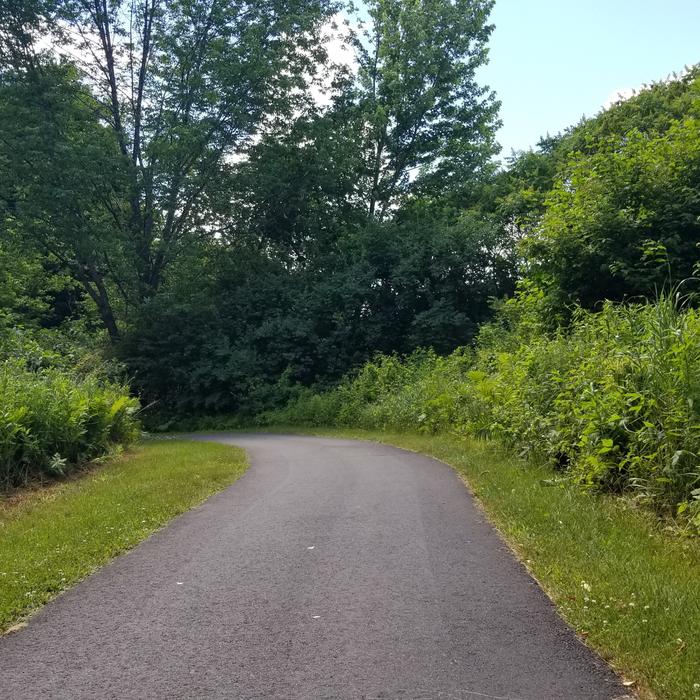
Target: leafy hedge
x=52 y=420
x=613 y=401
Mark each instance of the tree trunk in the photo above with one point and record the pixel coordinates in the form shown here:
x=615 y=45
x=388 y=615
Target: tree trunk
x=95 y=287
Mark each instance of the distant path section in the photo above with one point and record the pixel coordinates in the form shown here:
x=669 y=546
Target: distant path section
x=331 y=569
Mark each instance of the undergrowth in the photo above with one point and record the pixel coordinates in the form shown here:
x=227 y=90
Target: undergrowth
x=57 y=410
x=612 y=401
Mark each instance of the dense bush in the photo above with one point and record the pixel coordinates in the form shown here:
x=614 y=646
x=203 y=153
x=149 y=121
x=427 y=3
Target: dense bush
x=52 y=420
x=589 y=205
x=613 y=401
x=230 y=323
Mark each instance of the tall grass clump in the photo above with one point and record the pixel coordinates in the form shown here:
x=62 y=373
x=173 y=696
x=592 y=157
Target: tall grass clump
x=52 y=420
x=611 y=401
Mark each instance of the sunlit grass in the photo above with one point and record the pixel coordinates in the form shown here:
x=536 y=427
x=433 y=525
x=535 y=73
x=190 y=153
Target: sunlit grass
x=51 y=538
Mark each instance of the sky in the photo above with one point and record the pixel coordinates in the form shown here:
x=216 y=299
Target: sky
x=552 y=61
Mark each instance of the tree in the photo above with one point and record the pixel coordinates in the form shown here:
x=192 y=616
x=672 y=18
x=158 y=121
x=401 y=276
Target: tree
x=294 y=195
x=607 y=222
x=62 y=182
x=595 y=208
x=182 y=86
x=412 y=122
x=426 y=123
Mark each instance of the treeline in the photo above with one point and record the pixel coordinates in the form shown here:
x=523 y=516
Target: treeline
x=196 y=193
x=605 y=211
x=200 y=184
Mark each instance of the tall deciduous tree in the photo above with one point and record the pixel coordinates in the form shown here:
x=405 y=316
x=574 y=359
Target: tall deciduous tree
x=427 y=121
x=183 y=86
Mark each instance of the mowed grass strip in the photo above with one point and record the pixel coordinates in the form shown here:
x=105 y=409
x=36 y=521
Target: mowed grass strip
x=629 y=588
x=53 y=537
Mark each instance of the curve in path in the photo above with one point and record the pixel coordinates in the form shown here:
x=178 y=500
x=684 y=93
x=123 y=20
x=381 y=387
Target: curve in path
x=331 y=569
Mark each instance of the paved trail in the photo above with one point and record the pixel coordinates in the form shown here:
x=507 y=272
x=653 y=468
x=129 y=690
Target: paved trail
x=332 y=569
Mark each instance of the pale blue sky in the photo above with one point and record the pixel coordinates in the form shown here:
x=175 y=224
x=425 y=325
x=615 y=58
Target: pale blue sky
x=552 y=61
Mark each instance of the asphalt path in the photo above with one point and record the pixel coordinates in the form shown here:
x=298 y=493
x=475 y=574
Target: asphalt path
x=331 y=569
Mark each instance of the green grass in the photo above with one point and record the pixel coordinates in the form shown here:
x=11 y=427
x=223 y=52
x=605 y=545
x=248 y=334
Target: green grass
x=628 y=587
x=51 y=538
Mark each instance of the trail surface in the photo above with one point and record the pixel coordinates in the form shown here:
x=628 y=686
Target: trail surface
x=332 y=569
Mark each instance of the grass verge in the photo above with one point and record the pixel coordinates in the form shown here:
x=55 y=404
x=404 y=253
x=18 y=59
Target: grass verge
x=51 y=538
x=630 y=589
